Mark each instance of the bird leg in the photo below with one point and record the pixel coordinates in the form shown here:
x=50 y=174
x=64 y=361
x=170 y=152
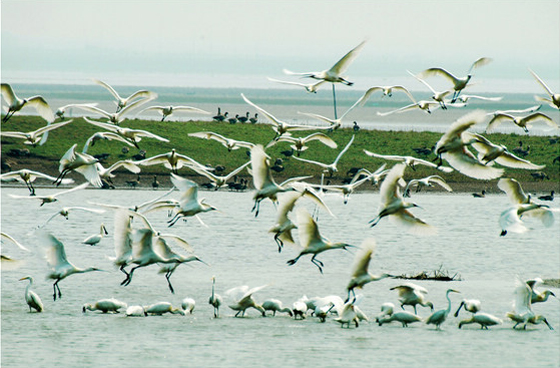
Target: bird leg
x=317 y=263
x=129 y=277
x=293 y=261
x=55 y=288
x=173 y=220
x=279 y=242
x=167 y=276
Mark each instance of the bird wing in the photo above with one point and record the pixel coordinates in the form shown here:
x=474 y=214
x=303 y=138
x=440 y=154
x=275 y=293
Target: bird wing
x=142 y=94
x=440 y=181
x=510 y=160
x=77 y=187
x=389 y=187
x=343 y=64
x=158 y=108
x=10 y=238
x=542 y=83
x=465 y=162
x=412 y=106
x=539 y=116
x=311 y=161
x=438 y=71
x=478 y=63
x=509 y=220
x=184 y=185
x=55 y=254
x=8 y=94
x=497 y=120
x=513 y=190
x=127 y=164
x=210 y=135
x=145 y=133
x=308 y=230
x=268 y=115
x=42 y=107
x=421 y=80
x=110 y=127
x=108 y=87
x=344 y=150
x=20 y=135
x=260 y=167
x=321 y=137
x=50 y=127
x=415 y=225
x=522 y=297
x=286 y=203
x=363 y=258
x=191 y=109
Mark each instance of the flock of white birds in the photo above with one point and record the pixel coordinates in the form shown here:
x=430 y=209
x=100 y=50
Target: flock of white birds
x=138 y=244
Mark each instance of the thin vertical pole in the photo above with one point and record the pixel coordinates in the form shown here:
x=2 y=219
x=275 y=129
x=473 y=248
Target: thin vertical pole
x=334 y=101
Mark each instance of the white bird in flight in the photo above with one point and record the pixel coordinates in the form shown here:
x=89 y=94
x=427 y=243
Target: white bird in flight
x=27 y=177
x=425 y=182
x=124 y=102
x=107 y=136
x=299 y=144
x=330 y=168
x=82 y=163
x=553 y=98
x=219 y=181
x=524 y=122
x=35 y=137
x=310 y=87
x=53 y=197
x=410 y=161
x=133 y=135
x=169 y=110
x=229 y=143
x=15 y=104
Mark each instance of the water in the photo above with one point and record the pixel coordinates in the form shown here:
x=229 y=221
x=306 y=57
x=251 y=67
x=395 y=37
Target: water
x=287 y=103
x=241 y=252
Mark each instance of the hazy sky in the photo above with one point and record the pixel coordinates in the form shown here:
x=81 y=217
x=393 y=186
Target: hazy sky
x=198 y=42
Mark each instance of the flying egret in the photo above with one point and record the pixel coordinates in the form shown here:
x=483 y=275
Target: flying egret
x=141 y=95
x=243 y=299
x=81 y=163
x=330 y=168
x=215 y=300
x=276 y=305
x=35 y=137
x=27 y=177
x=334 y=74
x=491 y=152
x=438 y=317
x=360 y=275
x=132 y=135
x=522 y=308
x=524 y=122
x=280 y=127
x=553 y=98
x=59 y=266
x=459 y=83
x=105 y=305
x=263 y=181
x=188 y=305
x=15 y=104
x=394 y=205
x=96 y=238
x=471 y=305
x=428 y=181
x=171 y=160
x=229 y=143
x=452 y=146
x=483 y=319
x=410 y=161
x=412 y=294
x=283 y=227
x=299 y=144
x=310 y=87
x=31 y=298
x=107 y=136
x=311 y=239
x=53 y=197
x=219 y=181
x=169 y=110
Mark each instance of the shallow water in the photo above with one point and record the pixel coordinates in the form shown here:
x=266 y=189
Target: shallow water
x=239 y=251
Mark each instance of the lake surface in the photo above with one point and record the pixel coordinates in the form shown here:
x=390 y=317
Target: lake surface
x=240 y=251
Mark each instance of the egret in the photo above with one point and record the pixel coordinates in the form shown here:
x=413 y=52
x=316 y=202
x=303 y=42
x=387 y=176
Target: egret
x=490 y=152
x=161 y=308
x=334 y=74
x=27 y=177
x=105 y=306
x=524 y=122
x=412 y=294
x=107 y=136
x=553 y=98
x=135 y=311
x=31 y=298
x=53 y=197
x=169 y=110
x=299 y=144
x=15 y=104
x=219 y=181
x=458 y=83
x=438 y=317
x=276 y=305
x=263 y=181
x=283 y=227
x=330 y=168
x=60 y=267
x=394 y=205
x=522 y=308
x=404 y=317
x=35 y=137
x=360 y=275
x=96 y=238
x=483 y=319
x=81 y=163
x=243 y=297
x=171 y=160
x=311 y=240
x=188 y=305
x=471 y=305
x=410 y=161
x=229 y=143
x=215 y=300
x=425 y=182
x=121 y=102
x=132 y=135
